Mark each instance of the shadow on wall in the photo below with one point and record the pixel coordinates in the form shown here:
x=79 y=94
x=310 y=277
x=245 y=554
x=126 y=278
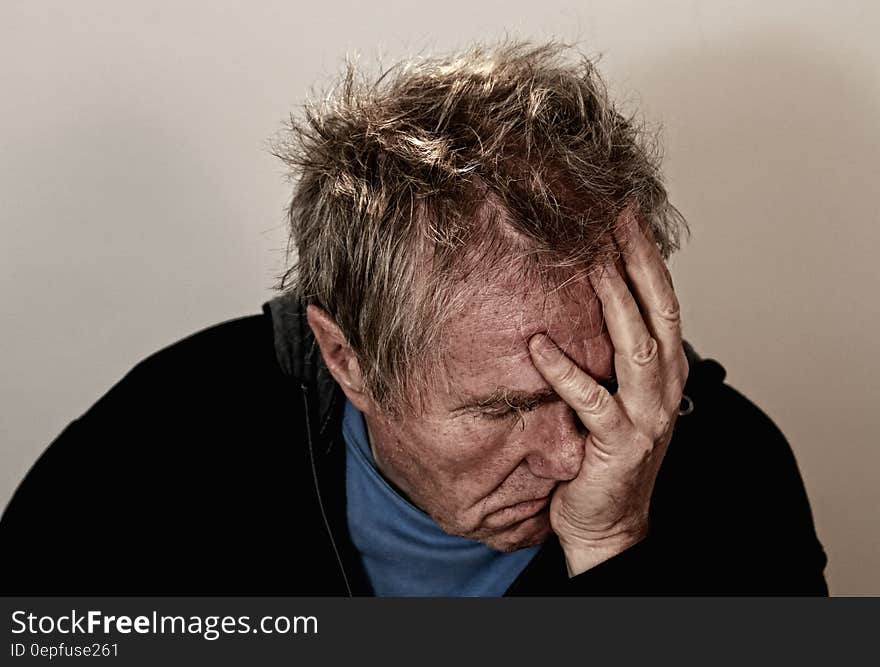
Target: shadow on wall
x=774 y=158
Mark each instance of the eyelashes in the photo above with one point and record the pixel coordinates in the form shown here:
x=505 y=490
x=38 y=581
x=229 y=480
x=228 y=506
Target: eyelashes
x=503 y=413
x=507 y=412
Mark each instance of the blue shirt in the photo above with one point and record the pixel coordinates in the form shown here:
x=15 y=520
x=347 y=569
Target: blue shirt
x=403 y=550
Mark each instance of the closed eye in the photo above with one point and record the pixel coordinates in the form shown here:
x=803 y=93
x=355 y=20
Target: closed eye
x=497 y=414
x=503 y=404
x=504 y=412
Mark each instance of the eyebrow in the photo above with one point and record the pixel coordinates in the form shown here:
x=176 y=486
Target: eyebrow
x=521 y=400
x=511 y=398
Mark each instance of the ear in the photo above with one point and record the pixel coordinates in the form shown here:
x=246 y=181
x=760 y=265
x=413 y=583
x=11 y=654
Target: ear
x=340 y=359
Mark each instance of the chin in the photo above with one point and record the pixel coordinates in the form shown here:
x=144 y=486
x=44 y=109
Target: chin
x=528 y=533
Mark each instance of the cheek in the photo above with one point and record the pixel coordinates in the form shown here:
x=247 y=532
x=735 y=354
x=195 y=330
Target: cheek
x=479 y=456
x=459 y=462
x=479 y=450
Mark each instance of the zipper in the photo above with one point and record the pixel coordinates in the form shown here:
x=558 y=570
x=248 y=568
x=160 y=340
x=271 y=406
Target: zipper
x=305 y=397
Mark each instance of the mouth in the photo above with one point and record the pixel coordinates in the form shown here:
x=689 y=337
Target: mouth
x=516 y=513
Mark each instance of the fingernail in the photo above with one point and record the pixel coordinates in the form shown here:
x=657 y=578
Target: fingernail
x=541 y=345
x=606 y=271
x=625 y=220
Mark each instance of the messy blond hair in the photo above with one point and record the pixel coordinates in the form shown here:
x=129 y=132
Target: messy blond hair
x=444 y=166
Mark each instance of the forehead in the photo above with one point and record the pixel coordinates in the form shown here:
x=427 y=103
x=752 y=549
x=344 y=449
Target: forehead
x=485 y=343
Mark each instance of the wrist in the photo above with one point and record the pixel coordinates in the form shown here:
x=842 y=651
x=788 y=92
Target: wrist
x=584 y=554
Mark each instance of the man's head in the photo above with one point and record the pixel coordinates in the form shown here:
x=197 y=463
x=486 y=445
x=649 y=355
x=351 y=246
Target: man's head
x=443 y=214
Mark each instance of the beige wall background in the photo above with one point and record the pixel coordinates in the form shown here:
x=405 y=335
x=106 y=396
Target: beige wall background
x=138 y=202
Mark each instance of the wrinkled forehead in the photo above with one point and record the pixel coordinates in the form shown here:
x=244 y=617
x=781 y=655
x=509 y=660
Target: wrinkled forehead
x=521 y=307
x=485 y=342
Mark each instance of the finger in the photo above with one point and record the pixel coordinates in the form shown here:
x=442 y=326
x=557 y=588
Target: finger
x=652 y=283
x=598 y=411
x=636 y=352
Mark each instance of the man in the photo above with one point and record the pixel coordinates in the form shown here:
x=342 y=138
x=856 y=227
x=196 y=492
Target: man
x=476 y=384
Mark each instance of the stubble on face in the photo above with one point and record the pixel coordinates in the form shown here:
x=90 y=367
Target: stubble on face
x=479 y=476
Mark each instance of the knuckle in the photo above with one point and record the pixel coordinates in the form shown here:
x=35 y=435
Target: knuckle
x=665 y=419
x=670 y=312
x=569 y=375
x=642 y=448
x=594 y=398
x=645 y=352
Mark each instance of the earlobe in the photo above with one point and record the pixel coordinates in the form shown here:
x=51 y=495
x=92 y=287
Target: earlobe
x=338 y=355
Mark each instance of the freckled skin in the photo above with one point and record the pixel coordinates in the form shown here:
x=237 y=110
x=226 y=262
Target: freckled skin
x=467 y=469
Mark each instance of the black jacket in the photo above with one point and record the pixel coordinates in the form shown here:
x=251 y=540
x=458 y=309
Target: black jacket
x=217 y=466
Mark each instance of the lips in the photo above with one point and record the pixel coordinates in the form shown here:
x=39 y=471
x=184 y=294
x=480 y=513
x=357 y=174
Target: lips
x=516 y=513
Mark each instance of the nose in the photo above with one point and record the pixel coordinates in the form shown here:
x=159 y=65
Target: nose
x=555 y=443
